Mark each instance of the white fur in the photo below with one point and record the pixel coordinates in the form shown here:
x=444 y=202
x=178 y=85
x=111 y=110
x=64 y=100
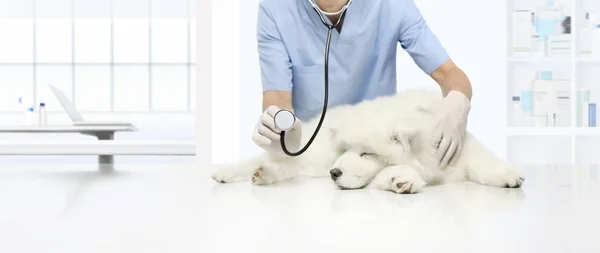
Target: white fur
x=385 y=143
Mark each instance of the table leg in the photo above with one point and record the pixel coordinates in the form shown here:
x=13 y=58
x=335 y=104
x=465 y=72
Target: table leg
x=106 y=162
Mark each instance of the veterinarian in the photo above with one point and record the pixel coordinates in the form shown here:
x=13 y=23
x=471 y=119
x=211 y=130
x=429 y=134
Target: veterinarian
x=362 y=64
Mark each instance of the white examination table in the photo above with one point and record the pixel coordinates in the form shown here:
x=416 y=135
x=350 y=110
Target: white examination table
x=106 y=147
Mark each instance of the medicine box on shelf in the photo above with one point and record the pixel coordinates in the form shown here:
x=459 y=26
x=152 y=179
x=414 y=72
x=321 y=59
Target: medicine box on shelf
x=540 y=31
x=587 y=94
x=540 y=96
x=587 y=28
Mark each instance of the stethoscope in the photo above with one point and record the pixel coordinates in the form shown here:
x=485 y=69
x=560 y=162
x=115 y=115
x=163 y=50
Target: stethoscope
x=285 y=119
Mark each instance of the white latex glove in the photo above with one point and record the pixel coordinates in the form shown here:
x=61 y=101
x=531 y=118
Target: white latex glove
x=451 y=127
x=266 y=135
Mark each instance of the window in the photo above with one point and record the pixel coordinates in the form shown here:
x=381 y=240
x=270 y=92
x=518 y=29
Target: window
x=169 y=86
x=17 y=82
x=16 y=29
x=169 y=41
x=93 y=92
x=131 y=90
x=131 y=38
x=59 y=76
x=16 y=45
x=53 y=40
x=107 y=56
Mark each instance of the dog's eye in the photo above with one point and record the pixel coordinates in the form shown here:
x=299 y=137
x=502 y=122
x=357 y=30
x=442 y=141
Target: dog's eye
x=396 y=139
x=365 y=154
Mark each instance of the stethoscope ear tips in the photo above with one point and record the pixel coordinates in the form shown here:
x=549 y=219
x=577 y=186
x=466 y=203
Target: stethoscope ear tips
x=284 y=120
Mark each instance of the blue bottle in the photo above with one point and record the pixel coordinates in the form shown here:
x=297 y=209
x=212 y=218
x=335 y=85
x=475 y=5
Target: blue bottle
x=592 y=115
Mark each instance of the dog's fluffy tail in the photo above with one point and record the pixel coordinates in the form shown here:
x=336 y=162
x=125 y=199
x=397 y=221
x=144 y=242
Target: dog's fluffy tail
x=236 y=172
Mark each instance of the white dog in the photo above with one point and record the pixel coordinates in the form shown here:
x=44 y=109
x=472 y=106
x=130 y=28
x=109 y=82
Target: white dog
x=385 y=143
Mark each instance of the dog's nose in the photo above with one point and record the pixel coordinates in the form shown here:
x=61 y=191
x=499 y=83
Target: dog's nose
x=335 y=173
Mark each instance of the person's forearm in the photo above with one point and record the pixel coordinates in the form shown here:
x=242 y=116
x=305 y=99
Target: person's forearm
x=450 y=77
x=456 y=79
x=281 y=99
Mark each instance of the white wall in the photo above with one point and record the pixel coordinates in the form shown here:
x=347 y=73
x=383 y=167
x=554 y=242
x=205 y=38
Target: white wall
x=204 y=85
x=475 y=40
x=225 y=81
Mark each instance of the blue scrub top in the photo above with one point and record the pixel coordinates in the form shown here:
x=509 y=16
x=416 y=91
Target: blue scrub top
x=362 y=58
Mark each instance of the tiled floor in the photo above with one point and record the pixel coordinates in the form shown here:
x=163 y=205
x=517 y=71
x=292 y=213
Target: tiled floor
x=179 y=209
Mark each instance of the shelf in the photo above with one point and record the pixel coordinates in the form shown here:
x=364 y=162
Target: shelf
x=553 y=131
x=552 y=60
x=540 y=60
x=588 y=60
x=539 y=149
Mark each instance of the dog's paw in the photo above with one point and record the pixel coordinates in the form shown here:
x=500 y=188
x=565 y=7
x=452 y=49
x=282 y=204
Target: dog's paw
x=261 y=177
x=220 y=176
x=512 y=179
x=506 y=177
x=226 y=174
x=405 y=185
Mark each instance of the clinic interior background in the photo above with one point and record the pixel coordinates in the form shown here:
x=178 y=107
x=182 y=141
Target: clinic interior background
x=534 y=66
x=124 y=60
x=472 y=31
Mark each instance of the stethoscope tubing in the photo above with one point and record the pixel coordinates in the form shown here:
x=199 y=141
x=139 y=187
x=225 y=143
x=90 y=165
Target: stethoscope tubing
x=316 y=8
x=325 y=100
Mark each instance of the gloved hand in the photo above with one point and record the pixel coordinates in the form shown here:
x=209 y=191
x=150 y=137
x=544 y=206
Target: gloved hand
x=266 y=135
x=451 y=126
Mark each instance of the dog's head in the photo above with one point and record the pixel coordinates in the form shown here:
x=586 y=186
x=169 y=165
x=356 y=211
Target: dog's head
x=367 y=149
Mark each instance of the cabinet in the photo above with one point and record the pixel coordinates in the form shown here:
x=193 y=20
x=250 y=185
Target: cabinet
x=553 y=81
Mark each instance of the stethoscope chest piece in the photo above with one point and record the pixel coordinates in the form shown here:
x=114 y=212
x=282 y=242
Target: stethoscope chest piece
x=284 y=120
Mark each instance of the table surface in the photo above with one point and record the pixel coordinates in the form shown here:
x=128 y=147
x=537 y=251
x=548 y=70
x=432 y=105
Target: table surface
x=94 y=147
x=141 y=208
x=64 y=128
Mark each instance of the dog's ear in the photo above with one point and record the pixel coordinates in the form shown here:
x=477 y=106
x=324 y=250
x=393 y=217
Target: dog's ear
x=334 y=132
x=337 y=143
x=408 y=138
x=334 y=135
